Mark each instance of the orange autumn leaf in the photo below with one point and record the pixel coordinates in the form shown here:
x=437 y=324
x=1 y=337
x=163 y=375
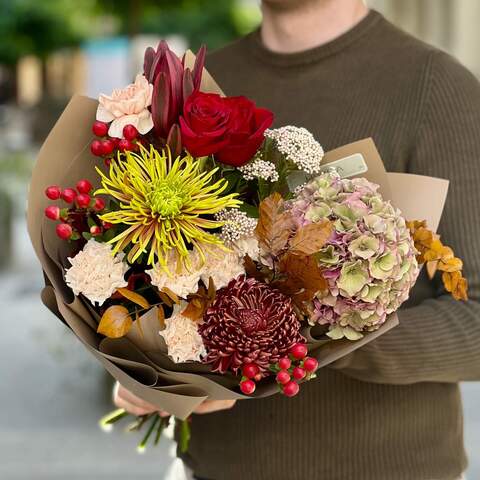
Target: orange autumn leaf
x=452 y=265
x=134 y=297
x=310 y=238
x=302 y=273
x=173 y=296
x=199 y=302
x=455 y=284
x=275 y=225
x=115 y=322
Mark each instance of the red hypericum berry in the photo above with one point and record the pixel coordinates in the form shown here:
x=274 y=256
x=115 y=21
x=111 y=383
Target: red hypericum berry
x=53 y=192
x=124 y=145
x=64 y=231
x=100 y=129
x=95 y=230
x=69 y=195
x=283 y=377
x=96 y=148
x=99 y=204
x=291 y=389
x=250 y=370
x=247 y=387
x=106 y=225
x=284 y=363
x=299 y=351
x=310 y=364
x=52 y=212
x=84 y=186
x=299 y=373
x=107 y=162
x=83 y=200
x=130 y=132
x=107 y=147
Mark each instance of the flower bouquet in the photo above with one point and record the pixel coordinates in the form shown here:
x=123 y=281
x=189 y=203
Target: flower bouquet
x=198 y=253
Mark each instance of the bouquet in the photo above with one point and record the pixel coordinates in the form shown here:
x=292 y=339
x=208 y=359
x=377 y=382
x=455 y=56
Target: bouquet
x=199 y=253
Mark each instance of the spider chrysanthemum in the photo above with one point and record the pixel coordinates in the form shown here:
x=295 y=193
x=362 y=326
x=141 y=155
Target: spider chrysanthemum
x=165 y=203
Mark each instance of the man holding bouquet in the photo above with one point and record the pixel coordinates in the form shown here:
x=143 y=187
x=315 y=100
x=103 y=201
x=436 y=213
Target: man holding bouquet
x=392 y=409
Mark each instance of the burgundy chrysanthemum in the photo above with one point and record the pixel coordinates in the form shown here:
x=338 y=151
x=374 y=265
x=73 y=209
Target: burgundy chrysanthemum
x=249 y=322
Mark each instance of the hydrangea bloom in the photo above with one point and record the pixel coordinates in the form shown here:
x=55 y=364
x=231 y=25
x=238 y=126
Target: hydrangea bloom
x=95 y=272
x=369 y=261
x=181 y=336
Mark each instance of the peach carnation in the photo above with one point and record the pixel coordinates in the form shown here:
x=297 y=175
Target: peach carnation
x=127 y=106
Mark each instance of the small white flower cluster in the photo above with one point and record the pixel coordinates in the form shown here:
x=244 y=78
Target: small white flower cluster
x=237 y=224
x=299 y=146
x=259 y=168
x=95 y=272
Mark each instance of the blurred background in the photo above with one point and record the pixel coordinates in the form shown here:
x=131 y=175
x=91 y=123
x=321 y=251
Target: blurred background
x=50 y=50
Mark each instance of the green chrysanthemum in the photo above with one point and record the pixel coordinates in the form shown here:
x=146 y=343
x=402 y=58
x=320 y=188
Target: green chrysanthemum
x=166 y=203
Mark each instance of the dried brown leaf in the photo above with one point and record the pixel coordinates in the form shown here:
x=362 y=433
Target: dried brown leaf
x=275 y=225
x=310 y=238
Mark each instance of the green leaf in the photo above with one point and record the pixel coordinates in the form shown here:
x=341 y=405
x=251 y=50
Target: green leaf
x=250 y=210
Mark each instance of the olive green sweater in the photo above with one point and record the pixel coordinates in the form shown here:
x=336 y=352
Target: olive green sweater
x=392 y=410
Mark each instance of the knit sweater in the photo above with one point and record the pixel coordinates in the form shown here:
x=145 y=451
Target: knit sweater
x=391 y=410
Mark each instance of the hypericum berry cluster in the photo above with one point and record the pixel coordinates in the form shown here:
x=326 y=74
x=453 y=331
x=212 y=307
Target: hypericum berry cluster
x=259 y=168
x=299 y=146
x=293 y=369
x=237 y=224
x=250 y=374
x=108 y=147
x=289 y=372
x=81 y=206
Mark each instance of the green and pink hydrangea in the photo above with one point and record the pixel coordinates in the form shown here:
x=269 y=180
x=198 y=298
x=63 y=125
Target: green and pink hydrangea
x=370 y=260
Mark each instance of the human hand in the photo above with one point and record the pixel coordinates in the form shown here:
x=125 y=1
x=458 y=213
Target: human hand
x=134 y=405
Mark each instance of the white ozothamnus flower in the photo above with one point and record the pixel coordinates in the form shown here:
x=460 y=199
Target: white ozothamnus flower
x=95 y=272
x=259 y=168
x=237 y=224
x=299 y=146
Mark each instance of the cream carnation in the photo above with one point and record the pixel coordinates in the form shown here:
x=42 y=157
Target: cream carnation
x=95 y=272
x=127 y=106
x=222 y=267
x=181 y=336
x=181 y=284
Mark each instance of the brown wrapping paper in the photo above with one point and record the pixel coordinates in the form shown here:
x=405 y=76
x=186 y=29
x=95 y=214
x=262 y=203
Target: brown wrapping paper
x=139 y=361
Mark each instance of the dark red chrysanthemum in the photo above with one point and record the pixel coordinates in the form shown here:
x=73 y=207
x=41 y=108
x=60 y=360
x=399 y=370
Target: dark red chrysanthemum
x=249 y=322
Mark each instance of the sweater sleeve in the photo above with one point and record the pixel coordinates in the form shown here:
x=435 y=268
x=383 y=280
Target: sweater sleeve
x=438 y=340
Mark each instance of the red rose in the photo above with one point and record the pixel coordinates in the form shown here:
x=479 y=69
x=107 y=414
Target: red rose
x=231 y=128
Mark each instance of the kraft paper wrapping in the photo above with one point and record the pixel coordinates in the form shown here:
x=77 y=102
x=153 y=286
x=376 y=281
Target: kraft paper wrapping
x=139 y=360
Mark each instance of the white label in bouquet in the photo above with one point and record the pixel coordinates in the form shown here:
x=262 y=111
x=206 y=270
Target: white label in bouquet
x=348 y=166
